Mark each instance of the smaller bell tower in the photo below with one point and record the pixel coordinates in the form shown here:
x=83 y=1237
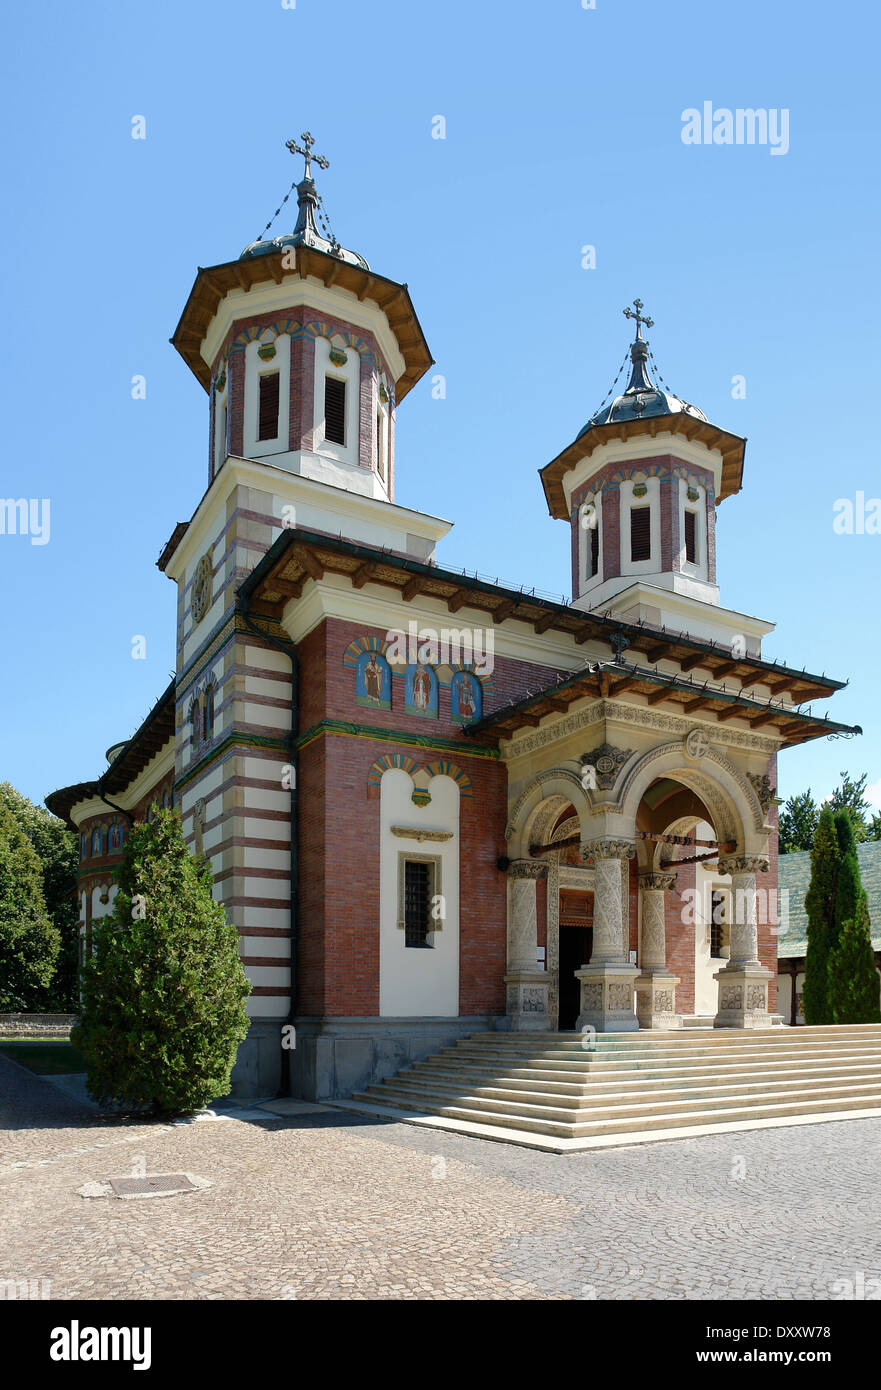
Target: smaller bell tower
x=639 y=487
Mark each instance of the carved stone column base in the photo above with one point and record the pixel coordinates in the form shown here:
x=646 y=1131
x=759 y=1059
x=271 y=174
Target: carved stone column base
x=527 y=1001
x=743 y=997
x=607 y=997
x=656 y=1000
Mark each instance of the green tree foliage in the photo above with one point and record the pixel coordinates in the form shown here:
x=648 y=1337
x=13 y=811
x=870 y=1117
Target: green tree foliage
x=820 y=908
x=798 y=823
x=29 y=940
x=853 y=992
x=853 y=979
x=56 y=848
x=163 y=1005
x=849 y=797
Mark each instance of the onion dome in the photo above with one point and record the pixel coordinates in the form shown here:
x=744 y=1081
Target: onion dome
x=642 y=398
x=306 y=231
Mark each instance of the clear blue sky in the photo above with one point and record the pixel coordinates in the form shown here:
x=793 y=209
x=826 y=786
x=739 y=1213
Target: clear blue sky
x=563 y=129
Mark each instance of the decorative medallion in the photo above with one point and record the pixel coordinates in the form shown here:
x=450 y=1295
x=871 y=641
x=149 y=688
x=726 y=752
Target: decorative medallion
x=692 y=494
x=267 y=352
x=607 y=762
x=203 y=585
x=421 y=796
x=221 y=381
x=697 y=743
x=338 y=357
x=639 y=489
x=383 y=394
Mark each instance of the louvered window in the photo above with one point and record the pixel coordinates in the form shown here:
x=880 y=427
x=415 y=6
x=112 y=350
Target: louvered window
x=640 y=533
x=691 y=537
x=417 y=902
x=593 y=553
x=334 y=410
x=267 y=426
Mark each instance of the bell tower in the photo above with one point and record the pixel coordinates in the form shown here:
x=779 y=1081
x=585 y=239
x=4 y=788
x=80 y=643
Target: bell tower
x=304 y=352
x=639 y=487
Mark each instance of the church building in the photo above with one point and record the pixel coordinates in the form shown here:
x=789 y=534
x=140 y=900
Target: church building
x=435 y=805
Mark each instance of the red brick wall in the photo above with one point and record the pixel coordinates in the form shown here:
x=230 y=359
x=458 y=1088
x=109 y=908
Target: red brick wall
x=680 y=936
x=339 y=897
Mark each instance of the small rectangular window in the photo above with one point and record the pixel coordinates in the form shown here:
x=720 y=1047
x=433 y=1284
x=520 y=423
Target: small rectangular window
x=334 y=410
x=380 y=457
x=640 y=533
x=267 y=426
x=691 y=538
x=717 y=924
x=417 y=902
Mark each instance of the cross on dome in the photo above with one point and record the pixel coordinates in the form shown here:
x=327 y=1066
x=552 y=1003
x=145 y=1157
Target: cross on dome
x=308 y=141
x=629 y=314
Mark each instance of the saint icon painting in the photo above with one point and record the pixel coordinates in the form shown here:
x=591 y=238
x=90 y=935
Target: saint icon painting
x=373 y=681
x=420 y=695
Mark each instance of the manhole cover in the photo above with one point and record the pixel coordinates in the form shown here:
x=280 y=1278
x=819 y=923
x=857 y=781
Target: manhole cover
x=153 y=1183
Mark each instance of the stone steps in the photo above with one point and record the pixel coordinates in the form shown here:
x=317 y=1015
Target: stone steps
x=544 y=1090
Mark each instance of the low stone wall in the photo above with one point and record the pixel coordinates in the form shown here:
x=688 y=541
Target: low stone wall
x=36 y=1025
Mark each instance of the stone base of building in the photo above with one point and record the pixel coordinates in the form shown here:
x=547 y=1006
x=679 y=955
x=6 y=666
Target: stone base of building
x=743 y=997
x=656 y=1000
x=527 y=1006
x=335 y=1056
x=607 y=998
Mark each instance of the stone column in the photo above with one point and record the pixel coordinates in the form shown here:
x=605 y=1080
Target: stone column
x=656 y=985
x=743 y=983
x=607 y=981
x=526 y=983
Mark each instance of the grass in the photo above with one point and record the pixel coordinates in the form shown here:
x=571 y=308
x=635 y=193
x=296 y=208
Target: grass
x=46 y=1059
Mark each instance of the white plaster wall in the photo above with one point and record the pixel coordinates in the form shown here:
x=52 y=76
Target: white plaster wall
x=418 y=983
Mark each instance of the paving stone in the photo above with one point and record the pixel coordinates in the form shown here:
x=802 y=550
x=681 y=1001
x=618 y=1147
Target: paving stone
x=332 y=1206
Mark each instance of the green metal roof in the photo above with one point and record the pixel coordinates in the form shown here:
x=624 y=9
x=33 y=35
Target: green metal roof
x=794 y=875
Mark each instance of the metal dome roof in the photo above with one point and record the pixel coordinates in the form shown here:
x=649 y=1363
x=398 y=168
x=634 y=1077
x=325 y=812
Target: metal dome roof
x=642 y=399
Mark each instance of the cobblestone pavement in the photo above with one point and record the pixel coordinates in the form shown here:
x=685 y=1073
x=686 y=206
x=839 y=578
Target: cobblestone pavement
x=333 y=1205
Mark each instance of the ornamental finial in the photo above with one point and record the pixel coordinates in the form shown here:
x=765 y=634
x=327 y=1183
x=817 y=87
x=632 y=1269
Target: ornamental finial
x=629 y=314
x=306 y=151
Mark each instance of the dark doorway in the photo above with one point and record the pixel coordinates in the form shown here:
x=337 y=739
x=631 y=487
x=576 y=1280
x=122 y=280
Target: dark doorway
x=576 y=945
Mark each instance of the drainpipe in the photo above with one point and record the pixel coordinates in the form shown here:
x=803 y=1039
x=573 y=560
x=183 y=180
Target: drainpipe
x=243 y=608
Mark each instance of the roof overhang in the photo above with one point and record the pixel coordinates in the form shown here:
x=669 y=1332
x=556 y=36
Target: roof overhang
x=147 y=740
x=731 y=447
x=611 y=679
x=213 y=283
x=299 y=556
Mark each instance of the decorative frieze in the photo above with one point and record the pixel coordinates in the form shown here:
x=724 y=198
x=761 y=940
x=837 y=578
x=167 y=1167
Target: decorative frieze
x=410 y=832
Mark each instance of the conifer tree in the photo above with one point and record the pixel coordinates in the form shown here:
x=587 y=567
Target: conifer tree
x=820 y=908
x=163 y=1005
x=29 y=940
x=853 y=986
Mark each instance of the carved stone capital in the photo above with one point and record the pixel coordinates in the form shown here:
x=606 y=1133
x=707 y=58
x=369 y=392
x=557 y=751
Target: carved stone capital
x=527 y=868
x=608 y=849
x=657 y=882
x=743 y=864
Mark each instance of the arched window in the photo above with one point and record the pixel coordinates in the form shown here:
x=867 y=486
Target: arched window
x=208 y=711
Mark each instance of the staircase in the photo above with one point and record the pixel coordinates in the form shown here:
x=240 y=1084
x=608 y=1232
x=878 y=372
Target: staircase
x=545 y=1091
